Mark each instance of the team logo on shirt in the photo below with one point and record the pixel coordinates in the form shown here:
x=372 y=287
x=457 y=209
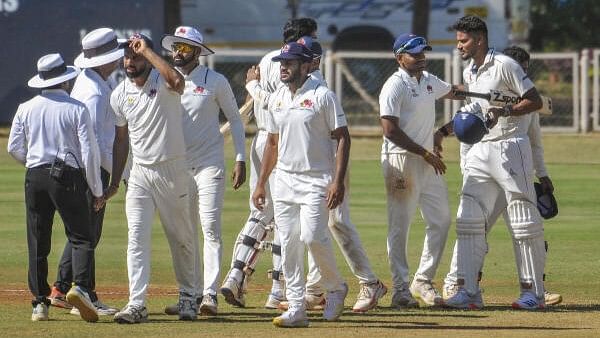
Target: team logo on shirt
x=130 y=101
x=307 y=103
x=199 y=90
x=429 y=89
x=414 y=92
x=152 y=92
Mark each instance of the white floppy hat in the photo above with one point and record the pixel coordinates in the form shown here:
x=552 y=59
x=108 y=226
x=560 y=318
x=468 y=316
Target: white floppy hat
x=100 y=47
x=52 y=70
x=187 y=35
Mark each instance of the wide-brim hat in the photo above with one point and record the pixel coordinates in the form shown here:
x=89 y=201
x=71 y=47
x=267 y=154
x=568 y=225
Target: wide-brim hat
x=52 y=70
x=100 y=47
x=187 y=35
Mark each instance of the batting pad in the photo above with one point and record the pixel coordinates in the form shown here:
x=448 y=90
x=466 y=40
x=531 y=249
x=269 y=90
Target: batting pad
x=470 y=241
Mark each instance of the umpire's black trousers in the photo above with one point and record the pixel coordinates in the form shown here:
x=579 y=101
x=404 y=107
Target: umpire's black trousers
x=43 y=196
x=65 y=268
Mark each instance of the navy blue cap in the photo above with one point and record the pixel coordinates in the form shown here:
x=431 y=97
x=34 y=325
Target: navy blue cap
x=294 y=51
x=311 y=44
x=410 y=43
x=469 y=128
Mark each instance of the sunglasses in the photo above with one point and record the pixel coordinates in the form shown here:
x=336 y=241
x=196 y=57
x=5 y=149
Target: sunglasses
x=181 y=47
x=410 y=44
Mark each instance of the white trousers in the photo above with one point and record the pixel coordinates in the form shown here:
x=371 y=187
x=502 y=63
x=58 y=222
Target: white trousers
x=412 y=182
x=163 y=186
x=344 y=232
x=207 y=190
x=301 y=217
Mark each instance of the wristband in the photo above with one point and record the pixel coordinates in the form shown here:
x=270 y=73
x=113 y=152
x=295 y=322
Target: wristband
x=507 y=110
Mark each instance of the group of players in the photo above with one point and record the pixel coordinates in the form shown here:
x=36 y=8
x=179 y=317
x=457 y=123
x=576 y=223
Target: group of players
x=166 y=118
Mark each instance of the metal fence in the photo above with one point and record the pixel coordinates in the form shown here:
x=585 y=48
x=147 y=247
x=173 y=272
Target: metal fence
x=357 y=78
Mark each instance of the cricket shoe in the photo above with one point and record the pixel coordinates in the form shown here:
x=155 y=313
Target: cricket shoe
x=273 y=301
x=402 y=298
x=450 y=290
x=368 y=296
x=295 y=317
x=59 y=299
x=40 y=312
x=312 y=302
x=233 y=293
x=188 y=308
x=208 y=306
x=132 y=314
x=334 y=303
x=101 y=308
x=463 y=300
x=81 y=300
x=528 y=301
x=552 y=298
x=424 y=290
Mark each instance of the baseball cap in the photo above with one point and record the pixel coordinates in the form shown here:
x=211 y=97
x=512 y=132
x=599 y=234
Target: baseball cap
x=410 y=43
x=469 y=124
x=311 y=44
x=294 y=51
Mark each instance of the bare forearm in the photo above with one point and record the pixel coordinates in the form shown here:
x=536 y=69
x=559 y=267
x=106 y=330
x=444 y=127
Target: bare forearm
x=173 y=78
x=268 y=163
x=342 y=156
x=531 y=102
x=120 y=153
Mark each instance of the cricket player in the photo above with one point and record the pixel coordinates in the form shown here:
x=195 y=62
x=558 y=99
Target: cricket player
x=535 y=138
x=500 y=164
x=148 y=113
x=340 y=225
x=304 y=116
x=206 y=93
x=413 y=173
x=254 y=233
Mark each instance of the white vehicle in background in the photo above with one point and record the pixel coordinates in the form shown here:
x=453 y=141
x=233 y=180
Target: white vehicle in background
x=343 y=25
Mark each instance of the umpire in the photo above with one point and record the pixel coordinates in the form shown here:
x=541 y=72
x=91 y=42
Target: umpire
x=52 y=136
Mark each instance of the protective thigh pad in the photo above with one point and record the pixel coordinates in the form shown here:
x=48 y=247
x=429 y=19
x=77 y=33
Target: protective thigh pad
x=470 y=241
x=252 y=242
x=528 y=236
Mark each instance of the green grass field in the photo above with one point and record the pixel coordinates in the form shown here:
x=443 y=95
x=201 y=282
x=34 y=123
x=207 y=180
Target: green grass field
x=573 y=266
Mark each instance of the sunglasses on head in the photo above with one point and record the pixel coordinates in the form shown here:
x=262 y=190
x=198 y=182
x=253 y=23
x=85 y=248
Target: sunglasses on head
x=181 y=47
x=410 y=44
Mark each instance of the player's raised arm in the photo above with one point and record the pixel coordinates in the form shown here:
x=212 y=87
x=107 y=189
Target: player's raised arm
x=174 y=80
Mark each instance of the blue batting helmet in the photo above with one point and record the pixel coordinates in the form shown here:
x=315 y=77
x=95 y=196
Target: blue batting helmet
x=469 y=128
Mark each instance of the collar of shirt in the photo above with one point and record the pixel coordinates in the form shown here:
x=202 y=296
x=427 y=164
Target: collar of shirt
x=405 y=76
x=489 y=57
x=92 y=75
x=310 y=84
x=199 y=69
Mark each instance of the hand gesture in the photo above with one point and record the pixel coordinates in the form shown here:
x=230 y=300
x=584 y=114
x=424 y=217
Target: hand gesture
x=137 y=44
x=436 y=162
x=335 y=195
x=492 y=116
x=238 y=176
x=252 y=74
x=99 y=203
x=258 y=197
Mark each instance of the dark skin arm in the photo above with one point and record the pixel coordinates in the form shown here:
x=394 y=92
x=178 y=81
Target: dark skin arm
x=336 y=190
x=531 y=102
x=238 y=176
x=393 y=133
x=173 y=78
x=120 y=153
x=268 y=163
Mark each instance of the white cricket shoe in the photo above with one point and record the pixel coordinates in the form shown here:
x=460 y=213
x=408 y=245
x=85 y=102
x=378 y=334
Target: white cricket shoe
x=463 y=300
x=292 y=318
x=40 y=312
x=273 y=301
x=552 y=298
x=368 y=296
x=209 y=304
x=424 y=290
x=402 y=298
x=131 y=314
x=233 y=293
x=311 y=301
x=528 y=301
x=450 y=290
x=334 y=303
x=81 y=300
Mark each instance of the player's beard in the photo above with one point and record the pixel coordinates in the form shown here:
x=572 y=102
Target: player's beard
x=182 y=62
x=137 y=73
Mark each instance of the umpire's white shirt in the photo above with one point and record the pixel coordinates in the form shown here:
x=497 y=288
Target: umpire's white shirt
x=94 y=92
x=413 y=103
x=206 y=92
x=499 y=72
x=304 y=122
x=152 y=113
x=53 y=124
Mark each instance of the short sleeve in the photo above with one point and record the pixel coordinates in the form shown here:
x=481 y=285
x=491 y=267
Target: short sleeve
x=116 y=104
x=390 y=97
x=440 y=87
x=515 y=78
x=332 y=109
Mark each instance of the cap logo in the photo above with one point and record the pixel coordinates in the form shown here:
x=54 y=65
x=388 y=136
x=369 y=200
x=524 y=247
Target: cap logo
x=181 y=30
x=285 y=48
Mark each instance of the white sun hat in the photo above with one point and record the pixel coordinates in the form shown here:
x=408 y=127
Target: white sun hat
x=100 y=47
x=52 y=70
x=187 y=35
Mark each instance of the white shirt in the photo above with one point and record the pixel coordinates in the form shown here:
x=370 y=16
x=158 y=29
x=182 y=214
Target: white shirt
x=499 y=72
x=412 y=102
x=51 y=125
x=537 y=149
x=94 y=92
x=206 y=92
x=304 y=123
x=153 y=117
x=269 y=81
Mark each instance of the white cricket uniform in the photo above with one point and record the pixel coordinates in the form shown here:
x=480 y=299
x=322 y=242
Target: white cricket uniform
x=305 y=166
x=158 y=180
x=93 y=91
x=206 y=93
x=500 y=164
x=535 y=138
x=409 y=179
